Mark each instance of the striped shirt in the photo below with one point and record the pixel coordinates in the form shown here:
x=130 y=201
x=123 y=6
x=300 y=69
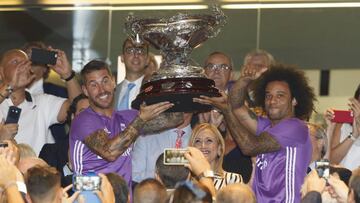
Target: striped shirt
x=226 y=179
x=279 y=175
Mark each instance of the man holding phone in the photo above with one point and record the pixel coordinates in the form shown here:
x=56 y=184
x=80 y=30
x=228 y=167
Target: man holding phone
x=38 y=111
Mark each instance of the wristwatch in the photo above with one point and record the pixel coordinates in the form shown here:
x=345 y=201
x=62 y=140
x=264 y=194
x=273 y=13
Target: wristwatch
x=206 y=174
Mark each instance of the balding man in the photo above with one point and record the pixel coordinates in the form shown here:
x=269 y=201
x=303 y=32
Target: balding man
x=38 y=112
x=236 y=193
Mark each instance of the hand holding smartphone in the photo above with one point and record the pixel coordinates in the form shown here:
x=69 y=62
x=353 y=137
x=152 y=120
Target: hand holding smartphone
x=13 y=115
x=89 y=182
x=343 y=116
x=175 y=156
x=323 y=168
x=43 y=56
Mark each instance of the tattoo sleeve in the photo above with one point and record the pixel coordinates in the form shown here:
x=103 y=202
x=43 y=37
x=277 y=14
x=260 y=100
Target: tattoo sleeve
x=249 y=144
x=111 y=148
x=163 y=121
x=238 y=92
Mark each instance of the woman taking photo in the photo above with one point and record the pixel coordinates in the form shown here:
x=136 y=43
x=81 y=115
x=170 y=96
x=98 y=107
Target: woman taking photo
x=207 y=138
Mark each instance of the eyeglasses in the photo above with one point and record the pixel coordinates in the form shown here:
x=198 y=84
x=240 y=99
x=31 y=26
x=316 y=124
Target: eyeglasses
x=135 y=50
x=214 y=67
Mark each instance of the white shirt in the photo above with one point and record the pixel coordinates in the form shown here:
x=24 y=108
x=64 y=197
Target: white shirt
x=37 y=87
x=133 y=92
x=352 y=158
x=35 y=118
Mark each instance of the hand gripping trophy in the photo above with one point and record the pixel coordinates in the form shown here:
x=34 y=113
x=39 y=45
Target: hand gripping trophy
x=178 y=80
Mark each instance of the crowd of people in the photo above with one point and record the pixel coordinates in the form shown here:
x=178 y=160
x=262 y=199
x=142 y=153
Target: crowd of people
x=84 y=143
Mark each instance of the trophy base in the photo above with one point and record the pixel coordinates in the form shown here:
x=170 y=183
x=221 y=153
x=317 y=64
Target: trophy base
x=179 y=91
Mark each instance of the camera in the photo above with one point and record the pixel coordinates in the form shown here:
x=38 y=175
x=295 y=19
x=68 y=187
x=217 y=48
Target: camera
x=175 y=156
x=323 y=168
x=89 y=182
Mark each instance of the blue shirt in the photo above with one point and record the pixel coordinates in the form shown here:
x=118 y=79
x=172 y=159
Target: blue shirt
x=149 y=147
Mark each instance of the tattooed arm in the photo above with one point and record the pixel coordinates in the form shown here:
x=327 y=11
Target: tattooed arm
x=238 y=96
x=111 y=149
x=249 y=144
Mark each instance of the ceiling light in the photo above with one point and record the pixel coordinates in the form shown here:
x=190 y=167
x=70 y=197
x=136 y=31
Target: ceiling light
x=291 y=5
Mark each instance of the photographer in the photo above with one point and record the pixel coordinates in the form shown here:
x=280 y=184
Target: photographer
x=38 y=111
x=345 y=145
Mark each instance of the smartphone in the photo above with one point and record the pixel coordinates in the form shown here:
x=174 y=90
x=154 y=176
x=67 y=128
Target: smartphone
x=43 y=56
x=343 y=116
x=175 y=156
x=3 y=144
x=323 y=168
x=13 y=115
x=88 y=182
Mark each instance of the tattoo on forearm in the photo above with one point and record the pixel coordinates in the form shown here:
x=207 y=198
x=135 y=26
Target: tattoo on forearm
x=98 y=141
x=238 y=93
x=249 y=144
x=163 y=121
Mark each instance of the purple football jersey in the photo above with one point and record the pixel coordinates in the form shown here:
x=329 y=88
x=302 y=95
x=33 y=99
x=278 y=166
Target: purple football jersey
x=279 y=175
x=83 y=159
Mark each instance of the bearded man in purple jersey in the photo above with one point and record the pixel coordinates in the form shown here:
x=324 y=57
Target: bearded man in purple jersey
x=101 y=138
x=280 y=141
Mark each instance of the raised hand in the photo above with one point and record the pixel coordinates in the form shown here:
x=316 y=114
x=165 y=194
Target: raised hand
x=22 y=75
x=152 y=111
x=220 y=103
x=62 y=66
x=251 y=73
x=8 y=131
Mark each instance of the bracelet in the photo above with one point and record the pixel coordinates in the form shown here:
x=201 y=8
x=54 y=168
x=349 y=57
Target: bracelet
x=70 y=77
x=351 y=136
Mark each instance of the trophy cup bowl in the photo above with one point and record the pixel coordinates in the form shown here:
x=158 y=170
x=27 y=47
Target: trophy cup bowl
x=178 y=80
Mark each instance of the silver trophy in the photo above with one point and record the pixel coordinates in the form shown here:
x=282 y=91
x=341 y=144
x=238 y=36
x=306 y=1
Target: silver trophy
x=179 y=79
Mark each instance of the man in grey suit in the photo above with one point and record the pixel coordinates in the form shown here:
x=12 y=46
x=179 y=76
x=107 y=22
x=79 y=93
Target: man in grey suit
x=135 y=57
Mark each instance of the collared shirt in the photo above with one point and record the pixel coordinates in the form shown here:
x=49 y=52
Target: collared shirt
x=280 y=174
x=148 y=148
x=37 y=87
x=133 y=92
x=38 y=113
x=83 y=159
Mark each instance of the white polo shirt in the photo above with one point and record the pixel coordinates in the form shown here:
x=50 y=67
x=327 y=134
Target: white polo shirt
x=37 y=114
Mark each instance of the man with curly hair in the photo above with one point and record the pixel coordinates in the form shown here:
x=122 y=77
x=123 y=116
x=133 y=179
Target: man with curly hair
x=280 y=141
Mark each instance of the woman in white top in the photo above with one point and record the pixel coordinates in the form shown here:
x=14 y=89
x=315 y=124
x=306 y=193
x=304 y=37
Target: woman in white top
x=345 y=142
x=207 y=138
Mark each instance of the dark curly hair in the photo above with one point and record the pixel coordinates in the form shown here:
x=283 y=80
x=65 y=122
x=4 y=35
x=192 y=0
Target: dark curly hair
x=298 y=85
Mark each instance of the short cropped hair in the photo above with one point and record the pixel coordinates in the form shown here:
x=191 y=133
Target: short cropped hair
x=170 y=174
x=92 y=66
x=120 y=187
x=298 y=85
x=259 y=52
x=41 y=182
x=150 y=191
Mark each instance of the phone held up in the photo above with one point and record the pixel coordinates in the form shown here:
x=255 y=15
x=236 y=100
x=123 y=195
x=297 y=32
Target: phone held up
x=88 y=182
x=175 y=156
x=43 y=56
x=323 y=168
x=13 y=115
x=343 y=116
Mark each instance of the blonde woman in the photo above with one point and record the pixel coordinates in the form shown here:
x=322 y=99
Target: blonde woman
x=207 y=138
